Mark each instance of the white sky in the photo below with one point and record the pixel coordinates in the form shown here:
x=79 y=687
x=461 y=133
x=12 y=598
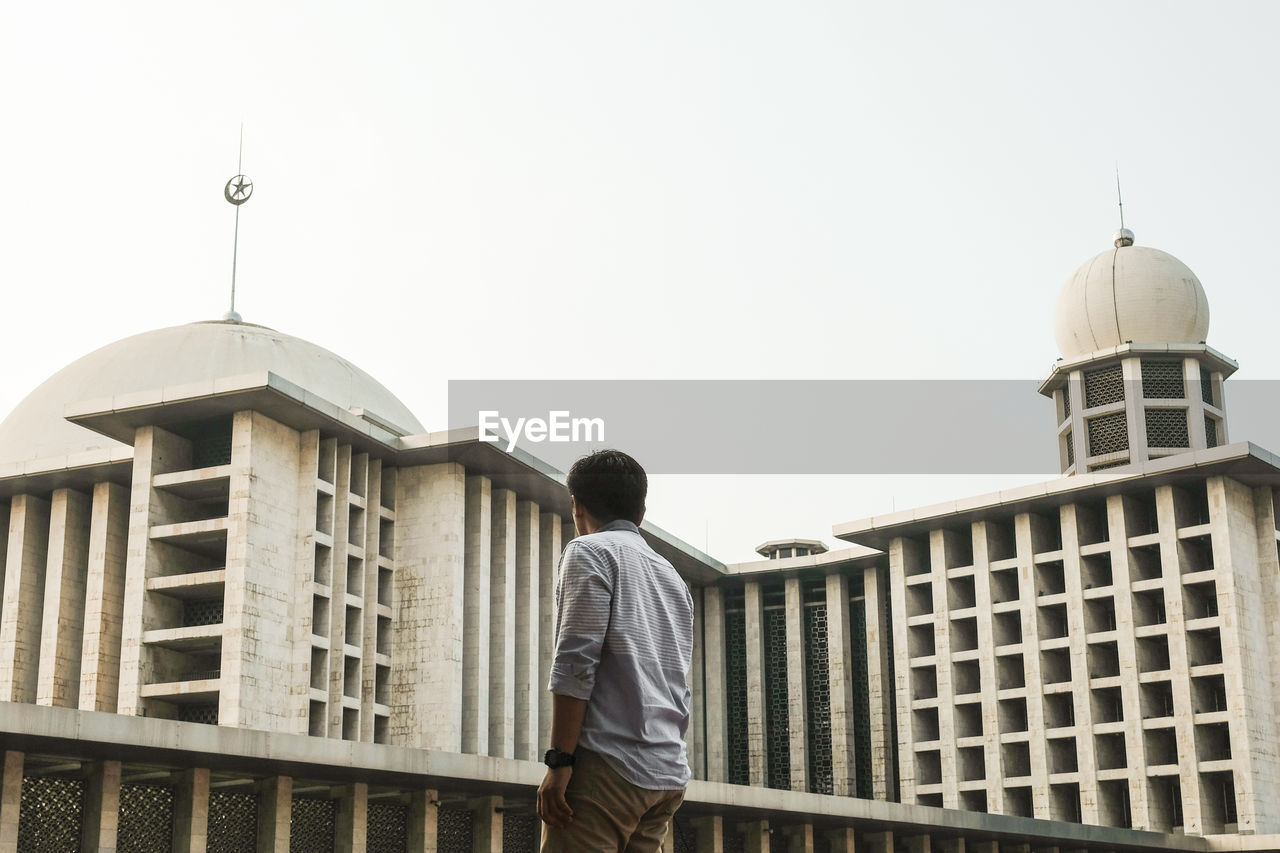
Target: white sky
x=656 y=190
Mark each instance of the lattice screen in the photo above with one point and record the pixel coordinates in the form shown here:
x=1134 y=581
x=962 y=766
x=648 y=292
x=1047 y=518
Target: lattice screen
x=1211 y=430
x=1167 y=428
x=311 y=825
x=388 y=827
x=206 y=713
x=734 y=841
x=1108 y=434
x=684 y=835
x=1206 y=387
x=233 y=822
x=1066 y=401
x=777 y=714
x=50 y=815
x=146 y=819
x=1071 y=448
x=735 y=654
x=1105 y=465
x=1103 y=386
x=1162 y=380
x=203 y=612
x=817 y=688
x=521 y=833
x=453 y=830
x=210 y=443
x=861 y=690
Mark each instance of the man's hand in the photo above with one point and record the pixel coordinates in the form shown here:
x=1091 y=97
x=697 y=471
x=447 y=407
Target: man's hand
x=552 y=808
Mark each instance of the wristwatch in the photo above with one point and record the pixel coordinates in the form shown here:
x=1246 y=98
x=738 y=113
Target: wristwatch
x=556 y=758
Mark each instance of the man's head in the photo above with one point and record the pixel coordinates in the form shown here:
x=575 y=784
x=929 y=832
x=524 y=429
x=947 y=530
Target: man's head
x=606 y=486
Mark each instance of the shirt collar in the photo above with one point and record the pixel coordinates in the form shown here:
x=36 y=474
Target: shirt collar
x=620 y=524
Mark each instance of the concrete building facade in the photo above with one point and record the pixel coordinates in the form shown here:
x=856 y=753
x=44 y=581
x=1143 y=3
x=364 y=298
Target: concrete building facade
x=250 y=604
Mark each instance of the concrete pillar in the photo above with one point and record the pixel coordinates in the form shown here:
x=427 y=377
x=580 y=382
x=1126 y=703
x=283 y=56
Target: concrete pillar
x=155 y=451
x=549 y=548
x=62 y=629
x=709 y=832
x=104 y=598
x=23 y=606
x=901 y=552
x=799 y=839
x=988 y=686
x=880 y=687
x=338 y=589
x=695 y=737
x=10 y=800
x=260 y=577
x=757 y=836
x=101 y=808
x=502 y=634
x=423 y=808
x=302 y=609
x=275 y=811
x=369 y=598
x=191 y=811
x=842 y=840
x=757 y=760
x=1031 y=665
x=351 y=824
x=840 y=676
x=1183 y=710
x=1082 y=704
x=797 y=696
x=938 y=548
x=917 y=843
x=428 y=625
x=486 y=824
x=1126 y=652
x=714 y=690
x=527 y=689
x=878 y=842
x=475 y=638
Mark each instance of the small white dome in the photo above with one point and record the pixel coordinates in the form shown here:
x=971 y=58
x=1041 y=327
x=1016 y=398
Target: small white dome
x=1130 y=293
x=181 y=355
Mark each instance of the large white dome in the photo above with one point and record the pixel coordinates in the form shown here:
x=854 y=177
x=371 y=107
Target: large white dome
x=181 y=355
x=1130 y=293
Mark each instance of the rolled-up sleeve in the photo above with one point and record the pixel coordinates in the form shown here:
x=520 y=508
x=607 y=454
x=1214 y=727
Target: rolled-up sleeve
x=584 y=595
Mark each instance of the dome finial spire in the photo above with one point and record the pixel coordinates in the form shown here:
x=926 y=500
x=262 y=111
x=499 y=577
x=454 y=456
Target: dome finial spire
x=1123 y=237
x=237 y=191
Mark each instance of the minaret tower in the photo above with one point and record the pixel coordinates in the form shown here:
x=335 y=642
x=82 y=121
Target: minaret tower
x=1136 y=380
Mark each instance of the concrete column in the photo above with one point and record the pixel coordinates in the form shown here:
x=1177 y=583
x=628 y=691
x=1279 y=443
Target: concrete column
x=880 y=686
x=260 y=582
x=62 y=629
x=917 y=843
x=1126 y=652
x=695 y=737
x=304 y=572
x=10 y=800
x=338 y=589
x=1135 y=416
x=844 y=769
x=1031 y=665
x=23 y=606
x=757 y=835
x=900 y=553
x=502 y=619
x=275 y=811
x=104 y=598
x=191 y=811
x=428 y=624
x=486 y=824
x=101 y=808
x=757 y=761
x=799 y=839
x=423 y=808
x=475 y=637
x=1264 y=635
x=714 y=690
x=709 y=832
x=1183 y=710
x=351 y=826
x=155 y=451
x=938 y=547
x=797 y=704
x=369 y=598
x=988 y=687
x=549 y=548
x=527 y=689
x=841 y=840
x=1082 y=704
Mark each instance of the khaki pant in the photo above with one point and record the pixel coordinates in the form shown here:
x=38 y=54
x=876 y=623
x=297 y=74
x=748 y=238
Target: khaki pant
x=609 y=813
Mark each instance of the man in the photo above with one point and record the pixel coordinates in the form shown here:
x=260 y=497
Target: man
x=617 y=767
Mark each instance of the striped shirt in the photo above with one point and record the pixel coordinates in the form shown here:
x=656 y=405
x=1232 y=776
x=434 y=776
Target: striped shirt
x=624 y=643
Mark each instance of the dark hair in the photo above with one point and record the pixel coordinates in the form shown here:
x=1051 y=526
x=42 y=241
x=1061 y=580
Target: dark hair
x=609 y=485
